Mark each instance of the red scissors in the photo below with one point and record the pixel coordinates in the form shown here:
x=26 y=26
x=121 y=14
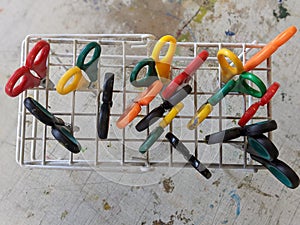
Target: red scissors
x=34 y=64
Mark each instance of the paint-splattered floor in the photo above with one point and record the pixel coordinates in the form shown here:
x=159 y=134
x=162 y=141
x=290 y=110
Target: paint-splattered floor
x=81 y=197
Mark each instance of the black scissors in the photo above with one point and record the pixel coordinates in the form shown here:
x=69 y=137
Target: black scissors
x=104 y=109
x=167 y=104
x=260 y=148
x=177 y=144
x=61 y=132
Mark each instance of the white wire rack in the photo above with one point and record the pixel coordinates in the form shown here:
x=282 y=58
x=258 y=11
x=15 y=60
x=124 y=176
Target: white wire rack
x=120 y=52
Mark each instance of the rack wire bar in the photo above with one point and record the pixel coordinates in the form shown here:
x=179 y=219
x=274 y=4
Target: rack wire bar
x=36 y=148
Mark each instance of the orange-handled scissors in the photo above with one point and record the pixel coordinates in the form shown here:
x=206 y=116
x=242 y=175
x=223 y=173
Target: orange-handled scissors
x=270 y=48
x=163 y=66
x=142 y=99
x=229 y=71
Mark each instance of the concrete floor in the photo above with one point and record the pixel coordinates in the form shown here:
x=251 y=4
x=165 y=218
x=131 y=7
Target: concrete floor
x=41 y=196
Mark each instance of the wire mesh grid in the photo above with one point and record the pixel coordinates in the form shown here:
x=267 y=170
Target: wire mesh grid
x=36 y=147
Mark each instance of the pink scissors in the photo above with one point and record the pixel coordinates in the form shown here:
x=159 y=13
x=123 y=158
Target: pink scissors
x=25 y=73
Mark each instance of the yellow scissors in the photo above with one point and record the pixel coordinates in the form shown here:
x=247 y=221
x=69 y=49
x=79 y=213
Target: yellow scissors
x=163 y=66
x=90 y=68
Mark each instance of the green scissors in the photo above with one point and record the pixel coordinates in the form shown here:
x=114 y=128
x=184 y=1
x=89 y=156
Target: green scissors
x=90 y=68
x=240 y=85
x=150 y=76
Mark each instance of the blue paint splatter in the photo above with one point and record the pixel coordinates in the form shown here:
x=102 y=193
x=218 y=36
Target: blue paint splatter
x=229 y=33
x=237 y=200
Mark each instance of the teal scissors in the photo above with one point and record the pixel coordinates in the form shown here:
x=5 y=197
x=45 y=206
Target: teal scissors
x=260 y=148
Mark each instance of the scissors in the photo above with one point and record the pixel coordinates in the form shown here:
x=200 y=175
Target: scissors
x=75 y=73
x=163 y=66
x=33 y=64
x=260 y=148
x=263 y=146
x=61 y=132
x=156 y=68
x=229 y=71
x=178 y=145
x=270 y=48
x=157 y=132
x=240 y=85
x=104 y=109
x=265 y=99
x=159 y=111
x=185 y=76
x=151 y=74
x=142 y=99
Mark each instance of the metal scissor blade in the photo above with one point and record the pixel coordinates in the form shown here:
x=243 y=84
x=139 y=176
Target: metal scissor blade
x=44 y=84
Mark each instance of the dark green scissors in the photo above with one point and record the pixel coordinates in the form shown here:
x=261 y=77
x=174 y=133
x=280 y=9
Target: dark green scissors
x=61 y=131
x=150 y=76
x=260 y=148
x=240 y=85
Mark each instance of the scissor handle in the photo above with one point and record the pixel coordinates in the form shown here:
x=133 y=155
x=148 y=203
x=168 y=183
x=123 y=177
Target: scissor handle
x=269 y=93
x=64 y=136
x=243 y=87
x=142 y=99
x=270 y=48
x=151 y=139
x=27 y=81
x=103 y=120
x=41 y=48
x=104 y=109
x=91 y=66
x=226 y=69
x=221 y=93
x=157 y=132
x=266 y=98
x=223 y=136
x=179 y=146
x=185 y=76
x=177 y=97
x=163 y=65
x=150 y=118
x=128 y=115
x=78 y=81
x=280 y=170
x=201 y=114
x=235 y=132
x=262 y=147
x=150 y=77
x=108 y=86
x=41 y=113
x=149 y=94
x=171 y=115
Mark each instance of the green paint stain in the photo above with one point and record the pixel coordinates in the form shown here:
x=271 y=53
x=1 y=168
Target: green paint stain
x=184 y=37
x=282 y=12
x=207 y=6
x=198 y=18
x=64 y=214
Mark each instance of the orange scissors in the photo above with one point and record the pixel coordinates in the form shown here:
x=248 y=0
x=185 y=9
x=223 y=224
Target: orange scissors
x=229 y=71
x=142 y=99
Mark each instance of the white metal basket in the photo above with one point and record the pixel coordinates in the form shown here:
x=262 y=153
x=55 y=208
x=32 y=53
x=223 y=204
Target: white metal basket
x=120 y=52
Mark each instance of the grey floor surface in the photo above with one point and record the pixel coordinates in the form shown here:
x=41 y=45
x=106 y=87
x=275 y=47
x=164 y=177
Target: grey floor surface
x=41 y=196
